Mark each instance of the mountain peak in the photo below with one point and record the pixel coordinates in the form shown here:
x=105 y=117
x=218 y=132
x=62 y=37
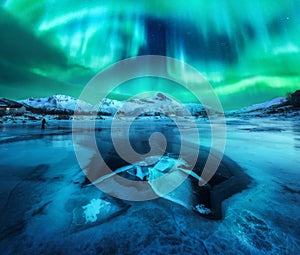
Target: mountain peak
x=161 y=96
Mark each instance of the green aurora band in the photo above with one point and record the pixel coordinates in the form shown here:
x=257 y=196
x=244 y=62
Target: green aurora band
x=249 y=50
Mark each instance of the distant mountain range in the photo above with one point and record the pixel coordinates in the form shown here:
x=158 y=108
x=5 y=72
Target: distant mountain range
x=151 y=106
x=278 y=107
x=55 y=104
x=157 y=105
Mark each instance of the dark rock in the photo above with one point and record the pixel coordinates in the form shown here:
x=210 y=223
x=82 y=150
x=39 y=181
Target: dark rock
x=161 y=96
x=295 y=98
x=63 y=117
x=30 y=117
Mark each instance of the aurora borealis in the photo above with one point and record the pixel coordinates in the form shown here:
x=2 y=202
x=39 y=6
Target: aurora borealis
x=248 y=50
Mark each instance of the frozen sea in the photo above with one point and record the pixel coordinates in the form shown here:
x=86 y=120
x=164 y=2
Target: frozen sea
x=45 y=209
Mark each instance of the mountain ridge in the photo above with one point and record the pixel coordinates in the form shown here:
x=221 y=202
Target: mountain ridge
x=107 y=106
x=149 y=106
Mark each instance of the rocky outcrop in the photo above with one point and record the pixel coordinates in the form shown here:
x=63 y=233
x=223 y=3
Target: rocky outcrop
x=294 y=98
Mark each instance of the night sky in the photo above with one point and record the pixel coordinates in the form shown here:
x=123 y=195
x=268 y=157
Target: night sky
x=249 y=50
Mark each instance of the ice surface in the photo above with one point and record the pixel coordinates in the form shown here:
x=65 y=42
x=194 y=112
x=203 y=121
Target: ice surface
x=141 y=172
x=165 y=164
x=43 y=202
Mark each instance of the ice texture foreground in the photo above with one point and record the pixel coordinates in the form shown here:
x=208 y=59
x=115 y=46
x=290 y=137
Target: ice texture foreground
x=46 y=209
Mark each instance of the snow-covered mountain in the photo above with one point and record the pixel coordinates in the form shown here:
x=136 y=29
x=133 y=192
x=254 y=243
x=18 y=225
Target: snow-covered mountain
x=264 y=105
x=159 y=104
x=278 y=107
x=109 y=106
x=196 y=109
x=56 y=103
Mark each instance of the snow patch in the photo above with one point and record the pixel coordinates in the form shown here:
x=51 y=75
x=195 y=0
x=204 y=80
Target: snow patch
x=92 y=209
x=200 y=208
